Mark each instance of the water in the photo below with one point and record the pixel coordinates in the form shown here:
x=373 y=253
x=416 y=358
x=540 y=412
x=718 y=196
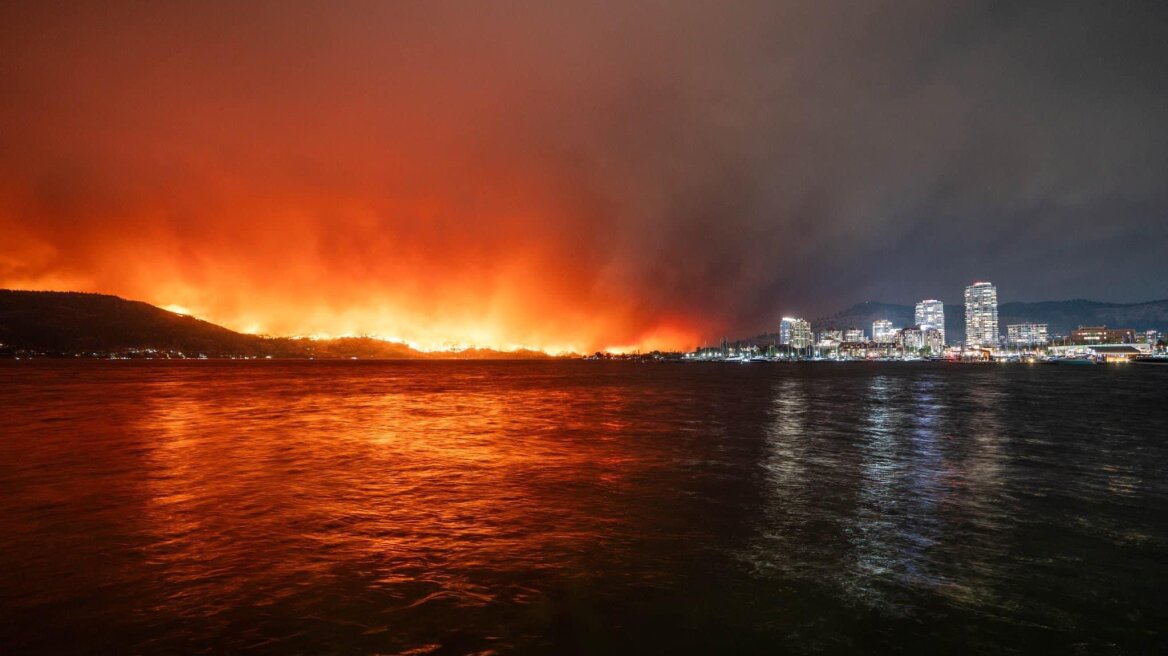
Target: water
x=581 y=507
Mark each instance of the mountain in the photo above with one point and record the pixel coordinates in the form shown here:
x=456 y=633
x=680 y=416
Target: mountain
x=78 y=323
x=75 y=322
x=1061 y=317
x=861 y=315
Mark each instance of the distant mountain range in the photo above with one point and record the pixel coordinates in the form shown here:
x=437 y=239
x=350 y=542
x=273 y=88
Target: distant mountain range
x=77 y=323
x=1061 y=317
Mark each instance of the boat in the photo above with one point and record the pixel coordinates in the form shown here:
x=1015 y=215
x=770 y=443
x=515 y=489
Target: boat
x=1075 y=360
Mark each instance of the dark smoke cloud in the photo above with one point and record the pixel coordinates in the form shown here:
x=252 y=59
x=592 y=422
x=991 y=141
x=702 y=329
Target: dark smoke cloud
x=580 y=175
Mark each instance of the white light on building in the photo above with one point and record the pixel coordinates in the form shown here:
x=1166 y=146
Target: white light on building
x=1026 y=334
x=883 y=332
x=832 y=335
x=981 y=314
x=795 y=333
x=829 y=339
x=855 y=335
x=931 y=314
x=922 y=338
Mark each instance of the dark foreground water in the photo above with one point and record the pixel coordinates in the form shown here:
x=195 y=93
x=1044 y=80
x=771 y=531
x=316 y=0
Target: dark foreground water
x=580 y=507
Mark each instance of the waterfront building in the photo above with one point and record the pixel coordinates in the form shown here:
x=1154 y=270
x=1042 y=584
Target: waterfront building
x=931 y=314
x=1146 y=337
x=917 y=339
x=831 y=335
x=1087 y=335
x=855 y=335
x=869 y=351
x=829 y=342
x=795 y=333
x=934 y=339
x=981 y=315
x=912 y=339
x=1026 y=334
x=1116 y=352
x=883 y=332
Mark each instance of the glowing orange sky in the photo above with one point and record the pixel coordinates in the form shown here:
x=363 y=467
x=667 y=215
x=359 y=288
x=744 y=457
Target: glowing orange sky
x=334 y=181
x=490 y=270
x=577 y=175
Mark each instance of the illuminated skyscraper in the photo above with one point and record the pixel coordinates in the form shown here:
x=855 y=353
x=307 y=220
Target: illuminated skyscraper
x=981 y=314
x=931 y=314
x=795 y=333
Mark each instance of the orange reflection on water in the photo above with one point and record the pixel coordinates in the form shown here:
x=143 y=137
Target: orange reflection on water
x=447 y=507
x=419 y=482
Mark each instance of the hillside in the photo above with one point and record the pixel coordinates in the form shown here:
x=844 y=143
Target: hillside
x=1061 y=316
x=79 y=323
x=1064 y=316
x=76 y=322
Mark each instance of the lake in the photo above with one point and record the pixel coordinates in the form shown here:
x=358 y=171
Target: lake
x=581 y=507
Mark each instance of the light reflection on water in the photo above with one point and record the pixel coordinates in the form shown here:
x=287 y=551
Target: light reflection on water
x=420 y=489
x=552 y=507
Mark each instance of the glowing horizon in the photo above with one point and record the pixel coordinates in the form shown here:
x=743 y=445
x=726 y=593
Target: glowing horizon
x=354 y=322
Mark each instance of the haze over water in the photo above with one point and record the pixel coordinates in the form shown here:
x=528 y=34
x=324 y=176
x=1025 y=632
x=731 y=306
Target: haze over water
x=560 y=507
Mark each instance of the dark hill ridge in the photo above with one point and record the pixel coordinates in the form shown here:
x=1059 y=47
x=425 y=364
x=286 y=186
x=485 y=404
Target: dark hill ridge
x=75 y=322
x=1061 y=317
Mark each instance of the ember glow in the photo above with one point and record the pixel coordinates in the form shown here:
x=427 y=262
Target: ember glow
x=571 y=177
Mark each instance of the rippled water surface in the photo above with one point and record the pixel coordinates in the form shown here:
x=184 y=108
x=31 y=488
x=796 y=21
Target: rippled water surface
x=581 y=507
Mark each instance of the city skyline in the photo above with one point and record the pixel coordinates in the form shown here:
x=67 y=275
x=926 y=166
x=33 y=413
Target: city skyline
x=982 y=329
x=983 y=338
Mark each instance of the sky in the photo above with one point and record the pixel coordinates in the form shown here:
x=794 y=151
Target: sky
x=579 y=176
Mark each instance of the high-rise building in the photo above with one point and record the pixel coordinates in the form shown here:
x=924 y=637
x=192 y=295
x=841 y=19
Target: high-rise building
x=931 y=314
x=1026 y=334
x=981 y=314
x=795 y=333
x=855 y=335
x=883 y=332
